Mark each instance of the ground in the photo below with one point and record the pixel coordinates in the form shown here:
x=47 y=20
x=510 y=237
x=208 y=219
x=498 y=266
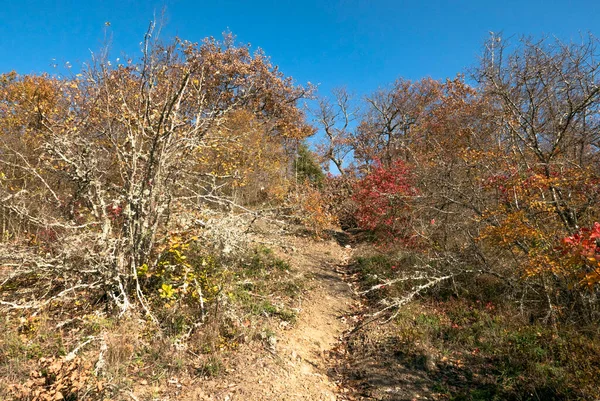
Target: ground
x=294 y=364
x=293 y=359
x=322 y=357
x=319 y=354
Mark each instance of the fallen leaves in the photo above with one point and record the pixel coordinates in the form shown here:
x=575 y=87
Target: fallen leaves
x=57 y=379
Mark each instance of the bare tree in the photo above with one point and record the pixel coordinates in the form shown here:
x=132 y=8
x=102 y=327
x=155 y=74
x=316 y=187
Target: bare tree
x=385 y=131
x=550 y=96
x=335 y=118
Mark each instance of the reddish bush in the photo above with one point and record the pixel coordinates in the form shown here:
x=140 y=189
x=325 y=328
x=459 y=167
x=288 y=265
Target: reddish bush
x=583 y=248
x=383 y=200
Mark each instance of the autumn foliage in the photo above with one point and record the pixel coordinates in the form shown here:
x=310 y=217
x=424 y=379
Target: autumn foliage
x=491 y=174
x=384 y=199
x=583 y=248
x=123 y=182
x=100 y=168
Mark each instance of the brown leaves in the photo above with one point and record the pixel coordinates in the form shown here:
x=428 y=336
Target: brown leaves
x=57 y=379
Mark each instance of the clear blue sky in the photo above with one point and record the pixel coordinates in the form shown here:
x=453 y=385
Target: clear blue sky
x=360 y=44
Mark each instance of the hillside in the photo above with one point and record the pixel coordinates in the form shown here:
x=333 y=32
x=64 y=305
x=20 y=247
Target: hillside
x=172 y=228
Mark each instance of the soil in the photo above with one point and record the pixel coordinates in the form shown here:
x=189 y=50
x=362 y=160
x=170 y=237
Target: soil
x=294 y=363
x=319 y=357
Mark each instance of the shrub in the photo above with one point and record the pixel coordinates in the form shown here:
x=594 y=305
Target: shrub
x=384 y=200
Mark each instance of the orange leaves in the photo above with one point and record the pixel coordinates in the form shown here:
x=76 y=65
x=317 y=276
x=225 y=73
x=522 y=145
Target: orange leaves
x=109 y=152
x=313 y=211
x=223 y=72
x=535 y=207
x=242 y=157
x=515 y=232
x=512 y=227
x=27 y=104
x=590 y=279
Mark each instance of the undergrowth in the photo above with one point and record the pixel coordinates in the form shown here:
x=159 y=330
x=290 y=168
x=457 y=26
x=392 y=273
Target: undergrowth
x=205 y=306
x=473 y=343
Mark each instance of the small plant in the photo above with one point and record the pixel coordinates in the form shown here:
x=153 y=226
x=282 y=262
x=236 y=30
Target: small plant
x=263 y=261
x=212 y=367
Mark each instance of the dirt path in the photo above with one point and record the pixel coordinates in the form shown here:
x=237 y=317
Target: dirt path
x=295 y=366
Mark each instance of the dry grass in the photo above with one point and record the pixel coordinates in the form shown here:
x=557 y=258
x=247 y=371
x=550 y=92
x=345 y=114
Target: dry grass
x=119 y=356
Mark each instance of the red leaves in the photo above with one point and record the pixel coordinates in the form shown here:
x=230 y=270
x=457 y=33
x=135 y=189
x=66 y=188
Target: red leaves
x=583 y=247
x=585 y=240
x=384 y=200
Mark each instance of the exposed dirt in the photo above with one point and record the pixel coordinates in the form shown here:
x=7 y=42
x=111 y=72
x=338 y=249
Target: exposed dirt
x=312 y=359
x=294 y=363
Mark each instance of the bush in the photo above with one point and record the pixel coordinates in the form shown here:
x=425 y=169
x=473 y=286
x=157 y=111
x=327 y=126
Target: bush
x=383 y=200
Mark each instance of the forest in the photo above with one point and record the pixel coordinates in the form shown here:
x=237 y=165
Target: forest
x=151 y=208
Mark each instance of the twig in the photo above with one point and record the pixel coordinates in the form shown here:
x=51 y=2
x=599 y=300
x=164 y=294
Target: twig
x=71 y=355
x=398 y=302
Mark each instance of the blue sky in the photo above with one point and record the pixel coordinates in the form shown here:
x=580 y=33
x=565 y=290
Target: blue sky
x=360 y=44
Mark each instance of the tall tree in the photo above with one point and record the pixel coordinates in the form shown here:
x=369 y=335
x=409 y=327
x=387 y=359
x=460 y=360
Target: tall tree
x=385 y=132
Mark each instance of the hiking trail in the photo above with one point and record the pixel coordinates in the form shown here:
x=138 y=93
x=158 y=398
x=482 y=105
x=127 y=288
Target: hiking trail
x=294 y=364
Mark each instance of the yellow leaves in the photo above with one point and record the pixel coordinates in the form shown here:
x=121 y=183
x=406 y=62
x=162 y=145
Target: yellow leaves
x=167 y=292
x=313 y=211
x=513 y=226
x=591 y=279
x=540 y=261
x=470 y=155
x=517 y=233
x=178 y=243
x=542 y=206
x=142 y=271
x=527 y=218
x=186 y=276
x=244 y=158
